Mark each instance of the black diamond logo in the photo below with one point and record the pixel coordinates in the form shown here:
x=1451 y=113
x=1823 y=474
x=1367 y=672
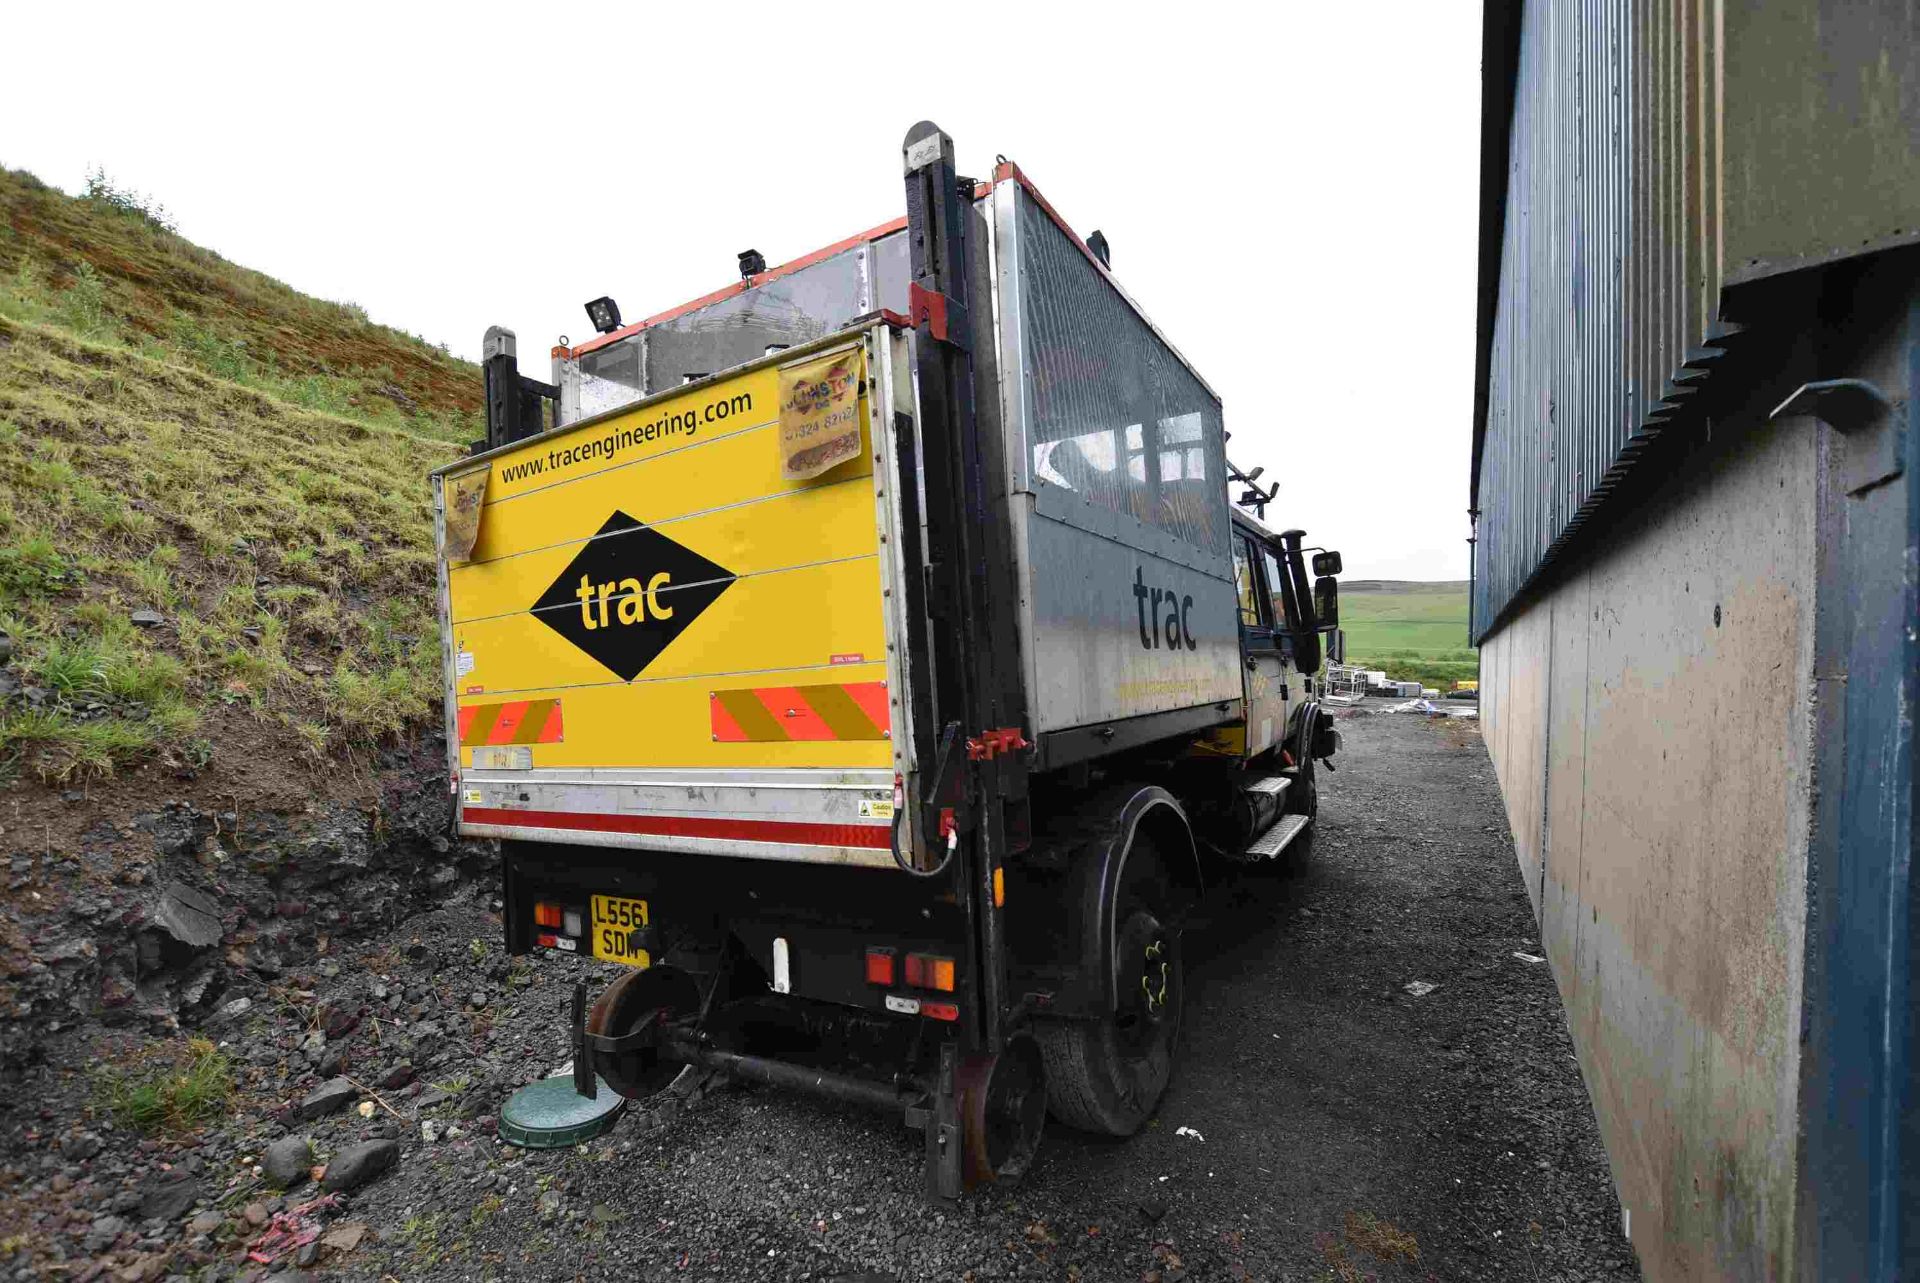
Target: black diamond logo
x=629 y=593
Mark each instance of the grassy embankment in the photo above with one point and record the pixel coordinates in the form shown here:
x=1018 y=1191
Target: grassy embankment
x=1414 y=631
x=185 y=436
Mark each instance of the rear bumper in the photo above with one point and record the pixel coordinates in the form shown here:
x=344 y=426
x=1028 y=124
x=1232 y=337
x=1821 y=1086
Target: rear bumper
x=812 y=816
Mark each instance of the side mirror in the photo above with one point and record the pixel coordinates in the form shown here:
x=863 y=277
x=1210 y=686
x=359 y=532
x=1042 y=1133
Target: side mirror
x=1326 y=563
x=1326 y=599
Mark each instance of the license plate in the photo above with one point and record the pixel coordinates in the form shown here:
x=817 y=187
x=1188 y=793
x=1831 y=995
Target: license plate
x=614 y=919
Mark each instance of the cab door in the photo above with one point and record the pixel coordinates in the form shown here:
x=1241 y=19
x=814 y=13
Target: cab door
x=1262 y=645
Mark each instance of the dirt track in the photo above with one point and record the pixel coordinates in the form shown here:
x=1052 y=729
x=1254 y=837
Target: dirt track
x=1346 y=1129
x=1350 y=1129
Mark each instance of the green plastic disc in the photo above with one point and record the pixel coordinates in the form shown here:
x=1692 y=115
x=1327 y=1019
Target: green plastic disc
x=550 y=1114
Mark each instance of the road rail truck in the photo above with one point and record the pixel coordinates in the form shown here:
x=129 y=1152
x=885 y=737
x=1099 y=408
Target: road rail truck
x=872 y=661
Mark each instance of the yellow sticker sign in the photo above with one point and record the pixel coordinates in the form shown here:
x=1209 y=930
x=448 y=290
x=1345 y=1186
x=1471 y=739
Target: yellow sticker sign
x=820 y=413
x=466 y=495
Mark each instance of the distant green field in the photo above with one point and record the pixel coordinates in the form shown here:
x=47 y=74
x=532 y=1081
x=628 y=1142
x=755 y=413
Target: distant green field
x=1414 y=631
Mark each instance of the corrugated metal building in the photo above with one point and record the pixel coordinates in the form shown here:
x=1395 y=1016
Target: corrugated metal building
x=1697 y=539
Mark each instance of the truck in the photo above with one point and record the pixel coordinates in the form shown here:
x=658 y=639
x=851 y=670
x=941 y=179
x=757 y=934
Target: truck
x=874 y=662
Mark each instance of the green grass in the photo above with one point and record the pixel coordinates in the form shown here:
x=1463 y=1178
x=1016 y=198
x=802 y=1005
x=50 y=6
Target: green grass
x=169 y=1088
x=1413 y=631
x=181 y=435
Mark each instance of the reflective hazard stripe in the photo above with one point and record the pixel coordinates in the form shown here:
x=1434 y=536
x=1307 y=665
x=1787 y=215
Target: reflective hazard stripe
x=521 y=721
x=772 y=714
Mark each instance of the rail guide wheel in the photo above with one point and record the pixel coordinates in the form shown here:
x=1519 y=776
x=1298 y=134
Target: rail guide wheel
x=1003 y=1107
x=639 y=1074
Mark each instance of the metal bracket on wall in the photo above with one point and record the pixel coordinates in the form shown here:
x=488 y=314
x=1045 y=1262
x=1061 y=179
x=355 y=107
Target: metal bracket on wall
x=1863 y=416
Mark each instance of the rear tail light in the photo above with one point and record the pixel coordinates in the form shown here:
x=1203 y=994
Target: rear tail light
x=925 y=971
x=547 y=914
x=879 y=966
x=940 y=1010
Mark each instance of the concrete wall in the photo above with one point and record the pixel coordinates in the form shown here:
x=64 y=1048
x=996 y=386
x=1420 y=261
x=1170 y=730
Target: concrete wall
x=1650 y=721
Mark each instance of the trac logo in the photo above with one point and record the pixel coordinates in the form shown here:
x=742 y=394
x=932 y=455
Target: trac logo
x=628 y=593
x=1163 y=615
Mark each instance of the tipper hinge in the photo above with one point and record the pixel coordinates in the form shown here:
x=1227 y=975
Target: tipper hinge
x=990 y=744
x=944 y=316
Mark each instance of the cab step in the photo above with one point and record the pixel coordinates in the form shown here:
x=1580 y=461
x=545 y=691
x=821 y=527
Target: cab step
x=1275 y=839
x=1273 y=785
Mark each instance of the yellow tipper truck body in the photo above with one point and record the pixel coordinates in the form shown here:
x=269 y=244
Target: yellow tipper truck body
x=666 y=625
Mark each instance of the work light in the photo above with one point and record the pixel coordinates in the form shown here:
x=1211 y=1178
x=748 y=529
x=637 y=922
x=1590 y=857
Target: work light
x=752 y=263
x=605 y=314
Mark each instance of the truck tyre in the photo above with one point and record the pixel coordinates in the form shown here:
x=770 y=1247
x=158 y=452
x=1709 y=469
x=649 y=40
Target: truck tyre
x=1106 y=1075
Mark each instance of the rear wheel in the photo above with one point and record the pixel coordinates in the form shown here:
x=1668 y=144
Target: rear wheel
x=1105 y=1076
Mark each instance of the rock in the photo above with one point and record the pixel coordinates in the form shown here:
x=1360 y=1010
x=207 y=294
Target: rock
x=549 y=1205
x=167 y=1196
x=146 y=619
x=205 y=1223
x=397 y=1077
x=329 y=1097
x=430 y=1131
x=307 y=1255
x=344 y=1237
x=236 y=1009
x=188 y=916
x=1153 y=1208
x=255 y=1214
x=359 y=1165
x=288 y=1161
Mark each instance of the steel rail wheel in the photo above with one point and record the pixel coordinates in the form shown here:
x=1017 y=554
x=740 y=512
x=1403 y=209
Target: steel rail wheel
x=619 y=1010
x=1003 y=1107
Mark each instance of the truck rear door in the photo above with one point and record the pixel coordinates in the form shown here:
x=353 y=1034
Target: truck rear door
x=664 y=627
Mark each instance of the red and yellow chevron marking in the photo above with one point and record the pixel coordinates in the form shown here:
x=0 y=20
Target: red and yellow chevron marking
x=520 y=721
x=837 y=711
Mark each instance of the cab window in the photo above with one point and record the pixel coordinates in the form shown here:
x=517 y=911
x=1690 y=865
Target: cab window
x=1275 y=593
x=1255 y=607
x=1244 y=581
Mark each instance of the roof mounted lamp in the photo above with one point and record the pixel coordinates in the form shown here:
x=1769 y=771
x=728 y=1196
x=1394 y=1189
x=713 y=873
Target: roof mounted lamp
x=605 y=314
x=752 y=263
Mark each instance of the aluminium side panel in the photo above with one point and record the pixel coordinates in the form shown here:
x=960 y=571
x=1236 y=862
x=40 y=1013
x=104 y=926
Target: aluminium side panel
x=1117 y=461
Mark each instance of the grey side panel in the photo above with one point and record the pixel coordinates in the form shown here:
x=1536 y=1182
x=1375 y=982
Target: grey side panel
x=1111 y=628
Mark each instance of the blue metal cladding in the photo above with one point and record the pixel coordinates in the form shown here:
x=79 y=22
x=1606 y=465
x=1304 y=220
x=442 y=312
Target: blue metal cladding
x=1608 y=268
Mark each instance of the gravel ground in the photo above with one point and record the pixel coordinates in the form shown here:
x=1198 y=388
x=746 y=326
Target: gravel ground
x=1347 y=1129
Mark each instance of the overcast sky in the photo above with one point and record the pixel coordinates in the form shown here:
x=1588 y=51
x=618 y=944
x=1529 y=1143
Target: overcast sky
x=1289 y=190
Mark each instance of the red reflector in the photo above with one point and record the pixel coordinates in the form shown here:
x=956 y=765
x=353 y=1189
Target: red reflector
x=925 y=971
x=879 y=966
x=546 y=914
x=940 y=1010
